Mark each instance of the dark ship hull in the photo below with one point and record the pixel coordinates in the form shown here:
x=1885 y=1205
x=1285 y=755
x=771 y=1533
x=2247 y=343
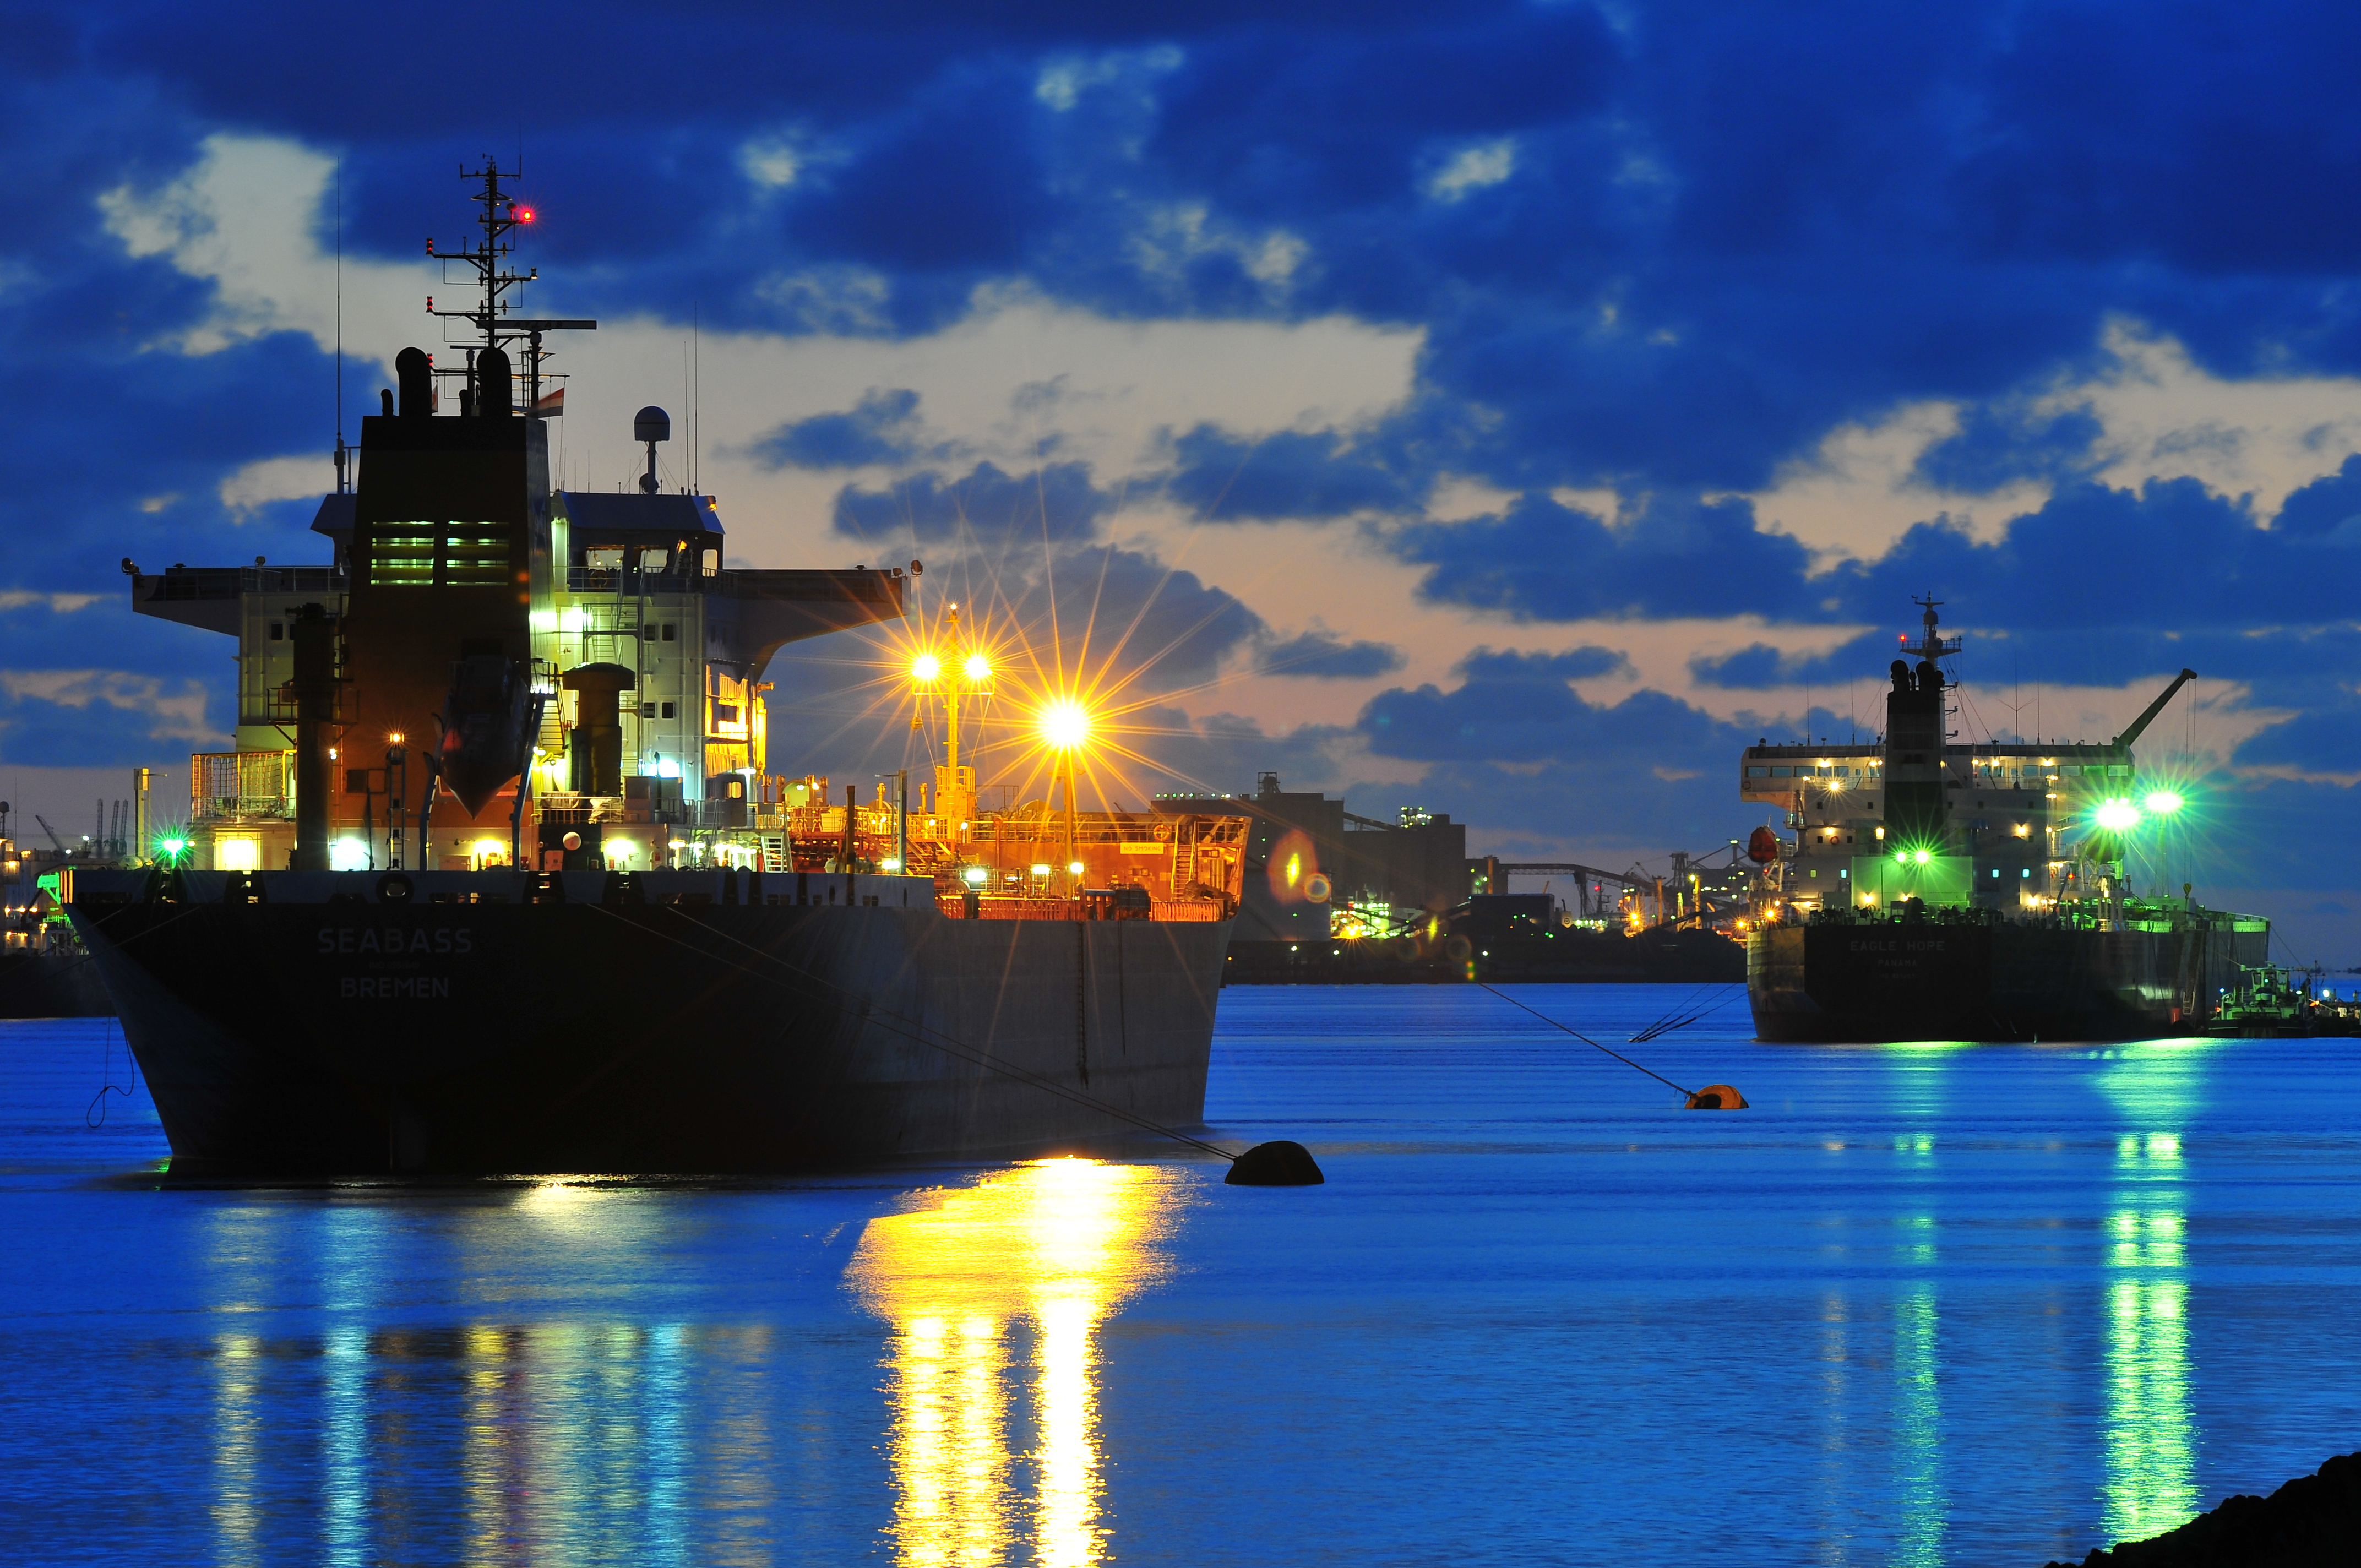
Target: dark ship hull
x=646 y=1024
x=51 y=986
x=1899 y=979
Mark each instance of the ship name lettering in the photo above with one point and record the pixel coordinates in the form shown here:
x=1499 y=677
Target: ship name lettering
x=1933 y=945
x=393 y=939
x=396 y=988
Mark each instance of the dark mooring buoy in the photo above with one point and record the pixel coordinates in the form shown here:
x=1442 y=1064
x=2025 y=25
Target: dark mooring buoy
x=1281 y=1163
x=1716 y=1097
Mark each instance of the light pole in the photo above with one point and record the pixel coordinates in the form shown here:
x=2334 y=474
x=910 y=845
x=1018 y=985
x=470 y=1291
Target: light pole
x=950 y=674
x=1065 y=728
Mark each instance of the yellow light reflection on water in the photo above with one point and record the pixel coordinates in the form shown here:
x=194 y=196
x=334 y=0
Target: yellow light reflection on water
x=1058 y=1244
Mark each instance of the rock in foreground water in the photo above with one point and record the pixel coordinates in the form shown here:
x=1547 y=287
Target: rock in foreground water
x=2313 y=1518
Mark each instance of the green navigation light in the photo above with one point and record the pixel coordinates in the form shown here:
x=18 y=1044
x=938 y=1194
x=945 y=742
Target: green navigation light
x=1922 y=856
x=2117 y=816
x=2164 y=802
x=1901 y=857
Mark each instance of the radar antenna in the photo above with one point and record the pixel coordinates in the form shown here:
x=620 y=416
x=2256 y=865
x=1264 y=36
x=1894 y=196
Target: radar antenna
x=488 y=260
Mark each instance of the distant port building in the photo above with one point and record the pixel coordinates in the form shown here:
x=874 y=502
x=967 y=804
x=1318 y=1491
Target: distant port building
x=1313 y=869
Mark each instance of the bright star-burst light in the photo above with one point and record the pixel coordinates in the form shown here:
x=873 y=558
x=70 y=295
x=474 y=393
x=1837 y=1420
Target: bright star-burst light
x=2164 y=802
x=2117 y=816
x=1065 y=724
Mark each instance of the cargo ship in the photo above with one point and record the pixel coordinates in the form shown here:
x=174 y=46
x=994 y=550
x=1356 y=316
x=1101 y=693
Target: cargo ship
x=1935 y=889
x=523 y=893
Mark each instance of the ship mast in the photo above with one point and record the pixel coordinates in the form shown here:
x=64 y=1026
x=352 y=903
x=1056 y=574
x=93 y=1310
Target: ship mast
x=488 y=258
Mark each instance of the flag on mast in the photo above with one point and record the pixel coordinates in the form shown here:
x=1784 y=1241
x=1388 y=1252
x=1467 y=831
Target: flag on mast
x=551 y=405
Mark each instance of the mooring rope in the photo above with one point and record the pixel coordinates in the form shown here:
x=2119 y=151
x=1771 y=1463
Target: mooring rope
x=1684 y=1014
x=1587 y=1040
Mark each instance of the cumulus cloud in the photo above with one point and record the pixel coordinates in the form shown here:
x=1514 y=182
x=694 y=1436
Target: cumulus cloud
x=882 y=429
x=92 y=715
x=1727 y=328
x=1319 y=655
x=1286 y=474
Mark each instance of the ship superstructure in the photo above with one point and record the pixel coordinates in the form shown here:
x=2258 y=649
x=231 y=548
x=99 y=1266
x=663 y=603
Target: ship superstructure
x=499 y=876
x=1920 y=814
x=1936 y=885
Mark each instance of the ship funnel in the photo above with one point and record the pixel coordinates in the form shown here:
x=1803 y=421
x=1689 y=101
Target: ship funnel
x=596 y=751
x=495 y=392
x=415 y=373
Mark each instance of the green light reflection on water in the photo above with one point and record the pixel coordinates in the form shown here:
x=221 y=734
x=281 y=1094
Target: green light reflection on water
x=2151 y=1437
x=1919 y=1426
x=1920 y=1078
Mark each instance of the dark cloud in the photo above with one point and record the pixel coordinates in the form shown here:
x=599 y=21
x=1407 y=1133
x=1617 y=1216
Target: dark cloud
x=1056 y=502
x=1695 y=238
x=1525 y=753
x=1224 y=478
x=882 y=428
x=2327 y=511
x=1322 y=656
x=1544 y=560
x=1997 y=447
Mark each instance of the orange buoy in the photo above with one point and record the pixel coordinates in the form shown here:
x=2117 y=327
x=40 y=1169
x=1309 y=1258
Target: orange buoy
x=1716 y=1097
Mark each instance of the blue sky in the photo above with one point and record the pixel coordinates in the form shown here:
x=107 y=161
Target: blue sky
x=1511 y=408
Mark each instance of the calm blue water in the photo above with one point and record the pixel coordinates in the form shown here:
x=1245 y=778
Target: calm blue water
x=1923 y=1304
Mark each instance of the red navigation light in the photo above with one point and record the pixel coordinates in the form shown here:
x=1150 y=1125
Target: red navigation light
x=524 y=214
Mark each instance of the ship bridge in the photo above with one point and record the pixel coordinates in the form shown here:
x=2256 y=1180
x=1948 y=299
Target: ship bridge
x=1915 y=814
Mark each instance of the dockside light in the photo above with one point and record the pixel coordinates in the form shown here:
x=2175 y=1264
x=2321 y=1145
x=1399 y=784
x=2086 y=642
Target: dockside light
x=1065 y=724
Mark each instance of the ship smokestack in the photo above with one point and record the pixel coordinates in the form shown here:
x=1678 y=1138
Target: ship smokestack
x=415 y=373
x=594 y=759
x=494 y=391
x=316 y=711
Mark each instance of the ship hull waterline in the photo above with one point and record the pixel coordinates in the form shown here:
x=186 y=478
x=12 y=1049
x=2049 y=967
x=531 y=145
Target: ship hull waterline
x=1896 y=981
x=310 y=1039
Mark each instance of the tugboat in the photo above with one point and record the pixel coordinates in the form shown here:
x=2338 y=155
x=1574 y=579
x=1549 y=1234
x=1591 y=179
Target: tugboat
x=524 y=896
x=1936 y=890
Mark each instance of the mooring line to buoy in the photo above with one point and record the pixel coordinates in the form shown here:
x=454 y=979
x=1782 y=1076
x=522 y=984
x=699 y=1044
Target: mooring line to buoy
x=1679 y=1019
x=1594 y=1045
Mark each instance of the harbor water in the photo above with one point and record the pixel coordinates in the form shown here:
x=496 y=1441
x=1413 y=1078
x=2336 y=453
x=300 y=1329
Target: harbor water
x=1933 y=1303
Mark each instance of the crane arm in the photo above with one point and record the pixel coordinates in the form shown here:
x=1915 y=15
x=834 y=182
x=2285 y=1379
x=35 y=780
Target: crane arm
x=2144 y=719
x=51 y=832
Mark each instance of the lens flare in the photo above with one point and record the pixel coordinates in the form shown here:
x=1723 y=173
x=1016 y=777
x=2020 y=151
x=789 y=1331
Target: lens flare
x=2164 y=802
x=2117 y=816
x=1065 y=724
